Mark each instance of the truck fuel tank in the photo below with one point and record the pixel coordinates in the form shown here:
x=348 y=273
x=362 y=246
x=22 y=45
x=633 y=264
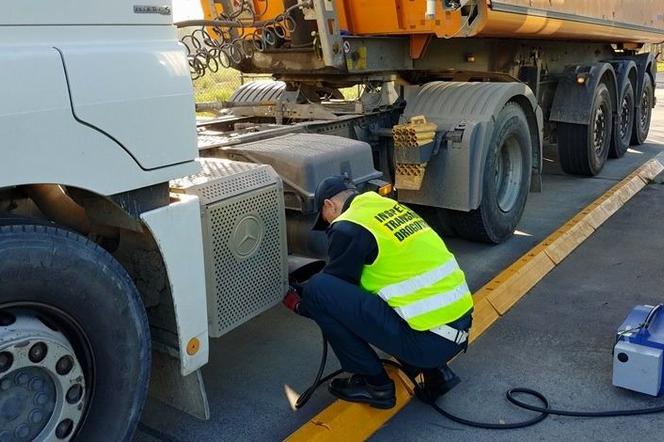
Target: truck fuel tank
x=303 y=160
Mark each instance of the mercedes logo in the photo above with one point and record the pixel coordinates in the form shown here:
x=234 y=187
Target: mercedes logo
x=247 y=236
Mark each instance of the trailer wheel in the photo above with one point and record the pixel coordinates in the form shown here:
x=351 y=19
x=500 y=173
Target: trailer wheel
x=505 y=181
x=582 y=148
x=643 y=112
x=74 y=339
x=622 y=130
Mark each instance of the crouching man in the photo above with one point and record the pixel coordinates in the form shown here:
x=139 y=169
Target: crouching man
x=390 y=282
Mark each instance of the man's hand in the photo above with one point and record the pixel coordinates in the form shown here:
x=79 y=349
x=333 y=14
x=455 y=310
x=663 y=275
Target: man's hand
x=292 y=300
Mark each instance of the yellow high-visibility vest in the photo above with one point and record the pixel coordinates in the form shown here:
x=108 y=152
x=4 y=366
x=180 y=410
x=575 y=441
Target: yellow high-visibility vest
x=413 y=271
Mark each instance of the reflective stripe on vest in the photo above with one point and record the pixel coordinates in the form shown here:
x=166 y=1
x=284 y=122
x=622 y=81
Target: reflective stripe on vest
x=419 y=281
x=413 y=271
x=433 y=303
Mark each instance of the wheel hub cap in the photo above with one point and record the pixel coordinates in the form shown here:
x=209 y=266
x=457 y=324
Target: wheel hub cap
x=599 y=132
x=645 y=108
x=508 y=174
x=624 y=118
x=42 y=387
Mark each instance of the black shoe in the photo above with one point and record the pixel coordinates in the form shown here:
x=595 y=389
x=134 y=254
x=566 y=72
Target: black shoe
x=357 y=389
x=437 y=383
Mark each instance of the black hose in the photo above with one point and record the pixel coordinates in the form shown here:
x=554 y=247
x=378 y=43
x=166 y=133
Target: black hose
x=492 y=426
x=319 y=380
x=544 y=411
x=547 y=410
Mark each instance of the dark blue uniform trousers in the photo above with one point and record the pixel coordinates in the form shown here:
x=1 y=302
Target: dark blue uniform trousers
x=352 y=318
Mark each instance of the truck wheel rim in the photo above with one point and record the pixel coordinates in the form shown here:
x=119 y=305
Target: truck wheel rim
x=43 y=390
x=644 y=116
x=599 y=130
x=508 y=174
x=625 y=117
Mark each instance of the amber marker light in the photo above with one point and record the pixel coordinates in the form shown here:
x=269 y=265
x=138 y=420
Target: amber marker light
x=193 y=346
x=385 y=190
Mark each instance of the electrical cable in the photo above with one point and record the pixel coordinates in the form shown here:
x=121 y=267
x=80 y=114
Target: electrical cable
x=237 y=35
x=544 y=411
x=651 y=315
x=644 y=325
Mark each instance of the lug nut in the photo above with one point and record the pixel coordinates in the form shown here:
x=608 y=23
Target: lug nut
x=36 y=384
x=6 y=319
x=22 y=431
x=5 y=436
x=4 y=385
x=64 y=428
x=6 y=361
x=38 y=352
x=21 y=379
x=36 y=416
x=41 y=399
x=74 y=393
x=64 y=365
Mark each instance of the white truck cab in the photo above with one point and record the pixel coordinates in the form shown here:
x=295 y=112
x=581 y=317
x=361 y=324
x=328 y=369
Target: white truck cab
x=96 y=117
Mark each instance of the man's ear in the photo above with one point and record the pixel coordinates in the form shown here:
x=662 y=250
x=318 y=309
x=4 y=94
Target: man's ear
x=329 y=203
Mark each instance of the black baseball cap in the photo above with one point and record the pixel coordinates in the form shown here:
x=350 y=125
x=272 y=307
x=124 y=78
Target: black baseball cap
x=326 y=189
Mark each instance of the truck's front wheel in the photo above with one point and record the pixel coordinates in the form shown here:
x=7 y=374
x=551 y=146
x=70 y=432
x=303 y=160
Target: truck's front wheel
x=74 y=339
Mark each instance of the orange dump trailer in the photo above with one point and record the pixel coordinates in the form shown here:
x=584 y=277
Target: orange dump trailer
x=598 y=20
x=624 y=21
x=498 y=78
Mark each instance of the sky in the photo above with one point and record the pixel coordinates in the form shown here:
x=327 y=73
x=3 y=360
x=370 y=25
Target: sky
x=186 y=10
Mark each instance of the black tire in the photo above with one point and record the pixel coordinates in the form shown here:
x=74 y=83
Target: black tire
x=258 y=92
x=643 y=111
x=624 y=123
x=440 y=220
x=583 y=149
x=81 y=290
x=504 y=191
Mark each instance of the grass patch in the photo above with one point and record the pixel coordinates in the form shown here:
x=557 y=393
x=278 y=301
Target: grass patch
x=660 y=66
x=351 y=93
x=217 y=86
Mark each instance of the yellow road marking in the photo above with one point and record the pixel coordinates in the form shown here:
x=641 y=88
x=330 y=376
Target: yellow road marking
x=355 y=422
x=347 y=422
